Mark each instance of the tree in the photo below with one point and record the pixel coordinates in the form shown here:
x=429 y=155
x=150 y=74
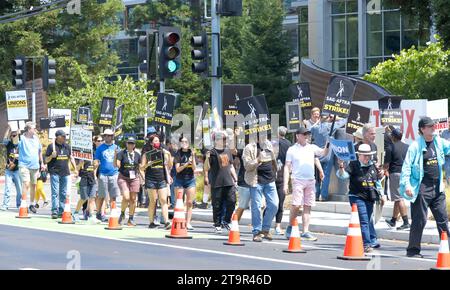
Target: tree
x=416 y=73
x=266 y=54
x=69 y=38
x=126 y=91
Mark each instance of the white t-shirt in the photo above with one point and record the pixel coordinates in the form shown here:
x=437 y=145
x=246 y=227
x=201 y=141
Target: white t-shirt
x=302 y=160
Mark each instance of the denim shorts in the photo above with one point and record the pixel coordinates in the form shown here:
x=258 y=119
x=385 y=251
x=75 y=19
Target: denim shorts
x=87 y=191
x=149 y=184
x=107 y=185
x=185 y=183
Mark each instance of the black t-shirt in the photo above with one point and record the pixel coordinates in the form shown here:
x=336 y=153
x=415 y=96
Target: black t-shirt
x=87 y=172
x=155 y=172
x=11 y=151
x=265 y=173
x=241 y=172
x=221 y=162
x=362 y=180
x=395 y=154
x=282 y=149
x=430 y=165
x=373 y=147
x=182 y=158
x=60 y=164
x=129 y=161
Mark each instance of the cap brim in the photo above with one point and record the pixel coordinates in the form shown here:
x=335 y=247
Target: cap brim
x=366 y=153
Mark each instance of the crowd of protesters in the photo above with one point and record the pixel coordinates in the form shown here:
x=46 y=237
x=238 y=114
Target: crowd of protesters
x=256 y=173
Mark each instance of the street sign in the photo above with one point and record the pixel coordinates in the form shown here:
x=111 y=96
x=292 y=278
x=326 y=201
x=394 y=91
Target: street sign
x=16 y=105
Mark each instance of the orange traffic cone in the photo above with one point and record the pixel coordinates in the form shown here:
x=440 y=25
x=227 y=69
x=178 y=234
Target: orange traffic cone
x=295 y=245
x=179 y=230
x=354 y=249
x=23 y=210
x=113 y=223
x=67 y=214
x=443 y=259
x=234 y=238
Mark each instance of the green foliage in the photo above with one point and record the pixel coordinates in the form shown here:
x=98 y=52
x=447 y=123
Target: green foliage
x=416 y=73
x=126 y=91
x=139 y=144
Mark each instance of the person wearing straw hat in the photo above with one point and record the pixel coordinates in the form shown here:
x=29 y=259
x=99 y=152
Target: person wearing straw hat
x=421 y=183
x=364 y=190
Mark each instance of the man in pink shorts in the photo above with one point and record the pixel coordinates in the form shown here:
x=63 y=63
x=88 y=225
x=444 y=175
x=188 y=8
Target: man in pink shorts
x=300 y=162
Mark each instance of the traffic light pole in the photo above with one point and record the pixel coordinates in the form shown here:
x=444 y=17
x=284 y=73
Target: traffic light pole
x=216 y=81
x=33 y=97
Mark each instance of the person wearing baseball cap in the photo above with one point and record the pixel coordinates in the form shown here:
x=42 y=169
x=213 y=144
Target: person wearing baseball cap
x=300 y=160
x=422 y=183
x=364 y=190
x=128 y=161
x=57 y=157
x=107 y=180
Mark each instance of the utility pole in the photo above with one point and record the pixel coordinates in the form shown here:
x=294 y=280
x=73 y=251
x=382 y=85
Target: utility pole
x=216 y=81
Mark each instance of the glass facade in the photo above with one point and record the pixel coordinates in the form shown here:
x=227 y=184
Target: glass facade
x=344 y=23
x=389 y=31
x=303 y=44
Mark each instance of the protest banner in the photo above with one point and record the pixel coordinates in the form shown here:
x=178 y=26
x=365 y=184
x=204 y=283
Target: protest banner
x=343 y=149
x=81 y=143
x=339 y=96
x=164 y=109
x=107 y=111
x=357 y=117
x=16 y=105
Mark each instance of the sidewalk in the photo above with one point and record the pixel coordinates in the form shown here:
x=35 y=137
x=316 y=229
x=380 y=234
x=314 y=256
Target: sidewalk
x=327 y=217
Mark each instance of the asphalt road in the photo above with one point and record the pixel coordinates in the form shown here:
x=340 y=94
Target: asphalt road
x=42 y=243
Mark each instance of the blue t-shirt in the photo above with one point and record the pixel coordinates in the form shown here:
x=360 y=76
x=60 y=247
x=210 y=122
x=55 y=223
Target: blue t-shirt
x=105 y=154
x=29 y=151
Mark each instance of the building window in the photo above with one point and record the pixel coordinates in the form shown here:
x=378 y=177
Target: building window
x=344 y=21
x=389 y=31
x=303 y=32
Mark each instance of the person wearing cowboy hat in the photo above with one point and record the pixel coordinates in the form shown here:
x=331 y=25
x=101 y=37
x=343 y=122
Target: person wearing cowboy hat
x=364 y=190
x=107 y=180
x=422 y=183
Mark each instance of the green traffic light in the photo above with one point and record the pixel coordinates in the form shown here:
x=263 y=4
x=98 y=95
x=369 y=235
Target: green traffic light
x=172 y=66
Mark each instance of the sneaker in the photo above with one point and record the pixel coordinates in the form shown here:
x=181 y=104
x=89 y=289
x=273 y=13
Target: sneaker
x=218 y=230
x=54 y=216
x=131 y=223
x=93 y=220
x=153 y=226
x=390 y=223
x=189 y=227
x=404 y=227
x=308 y=237
x=121 y=219
x=45 y=204
x=76 y=217
x=414 y=255
x=368 y=249
x=376 y=245
x=279 y=231
x=32 y=208
x=226 y=226
x=266 y=235
x=258 y=238
x=3 y=208
x=157 y=220
x=102 y=218
x=168 y=225
x=36 y=205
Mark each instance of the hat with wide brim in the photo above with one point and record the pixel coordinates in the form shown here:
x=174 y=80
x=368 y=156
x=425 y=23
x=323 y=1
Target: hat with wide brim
x=364 y=149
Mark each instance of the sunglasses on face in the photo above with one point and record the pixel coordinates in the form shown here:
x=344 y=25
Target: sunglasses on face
x=15 y=135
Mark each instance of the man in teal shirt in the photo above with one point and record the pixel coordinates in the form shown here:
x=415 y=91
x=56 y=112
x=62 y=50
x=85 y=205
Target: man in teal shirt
x=422 y=183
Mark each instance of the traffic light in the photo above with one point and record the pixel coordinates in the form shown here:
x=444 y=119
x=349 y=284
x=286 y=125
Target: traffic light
x=200 y=52
x=48 y=72
x=169 y=52
x=143 y=53
x=19 y=72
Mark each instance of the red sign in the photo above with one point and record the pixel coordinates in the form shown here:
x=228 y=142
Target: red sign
x=408 y=118
x=82 y=155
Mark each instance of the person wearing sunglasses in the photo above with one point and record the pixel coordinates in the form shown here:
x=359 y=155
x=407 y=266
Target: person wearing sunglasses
x=12 y=173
